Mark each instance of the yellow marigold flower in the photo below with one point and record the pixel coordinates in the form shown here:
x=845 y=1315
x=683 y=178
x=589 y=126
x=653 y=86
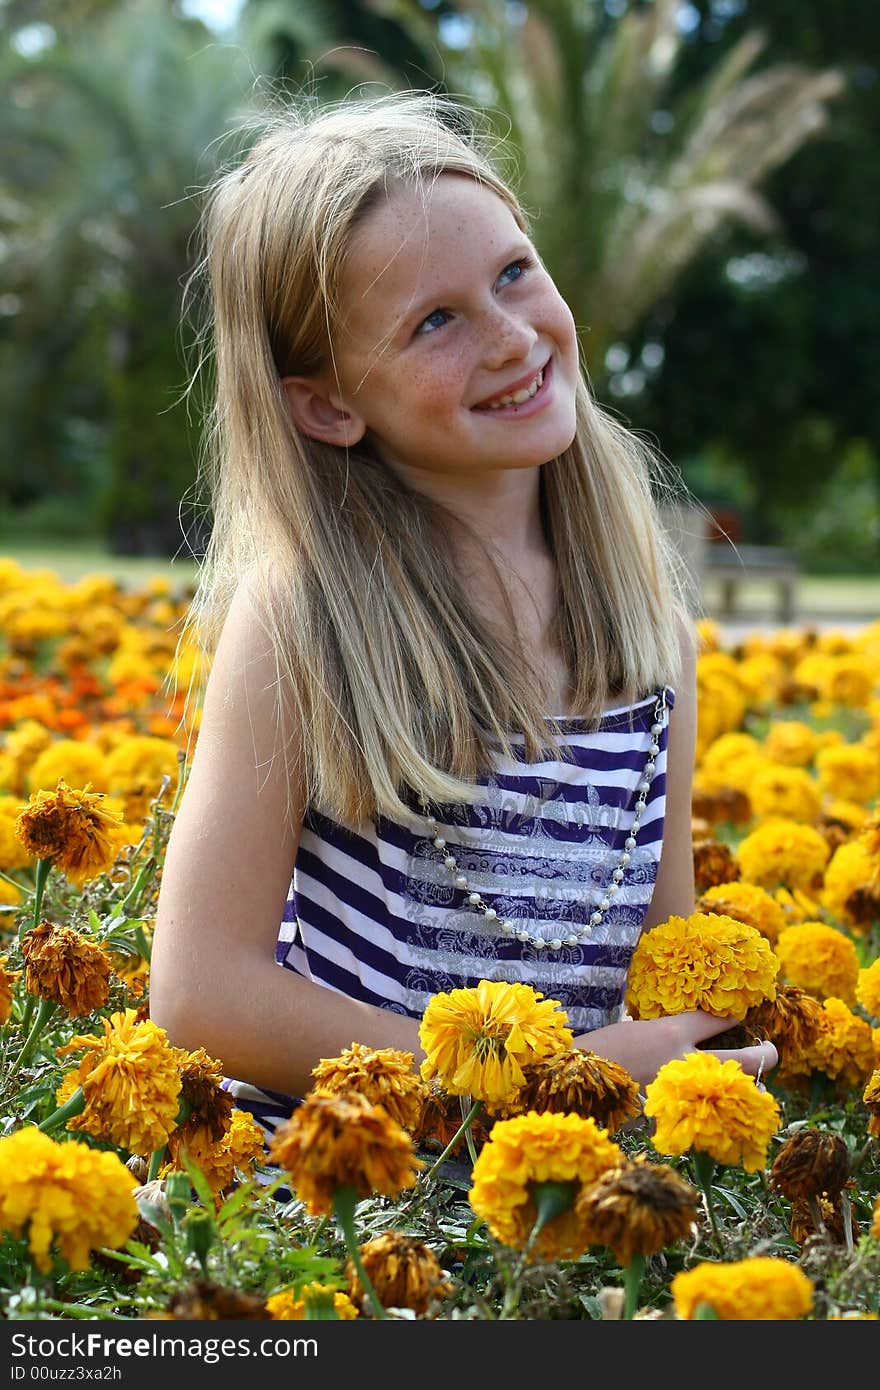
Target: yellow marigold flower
x=477 y=1041
x=239 y=1150
x=764 y=1288
x=791 y=1021
x=525 y=1152
x=333 y=1141
x=579 y=1082
x=385 y=1076
x=637 y=1209
x=745 y=902
x=7 y=980
x=13 y=854
x=721 y=707
x=790 y=792
x=726 y=759
x=871 y=1100
x=134 y=769
x=708 y=635
x=705 y=961
x=869 y=837
x=848 y=891
x=73 y=830
x=797 y=906
x=131 y=1082
x=850 y=771
x=290 y=1306
x=868 y=989
x=10 y=896
x=702 y=1103
x=65 y=968
x=844 y=1047
x=781 y=851
x=810 y=1164
x=70 y=760
x=820 y=959
x=791 y=741
x=66 y=1197
x=404 y=1272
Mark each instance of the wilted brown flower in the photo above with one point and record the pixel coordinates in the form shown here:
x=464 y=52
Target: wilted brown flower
x=7 y=980
x=810 y=1218
x=335 y=1141
x=201 y=1079
x=72 y=830
x=637 y=1209
x=810 y=1164
x=205 y=1301
x=404 y=1272
x=792 y=1021
x=384 y=1075
x=871 y=1098
x=581 y=1083
x=863 y=906
x=441 y=1120
x=64 y=968
x=714 y=863
x=728 y=804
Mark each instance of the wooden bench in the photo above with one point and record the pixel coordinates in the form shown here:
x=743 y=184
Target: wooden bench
x=733 y=566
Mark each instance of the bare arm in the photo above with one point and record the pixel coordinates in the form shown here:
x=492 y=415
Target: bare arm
x=214 y=982
x=643 y=1046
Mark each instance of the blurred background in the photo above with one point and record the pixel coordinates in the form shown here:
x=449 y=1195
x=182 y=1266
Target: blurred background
x=704 y=184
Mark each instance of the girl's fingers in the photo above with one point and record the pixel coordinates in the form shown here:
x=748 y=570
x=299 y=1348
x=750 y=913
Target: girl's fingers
x=700 y=1025
x=755 y=1061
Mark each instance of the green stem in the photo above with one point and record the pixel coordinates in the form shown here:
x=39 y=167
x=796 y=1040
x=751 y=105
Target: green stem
x=344 y=1202
x=146 y=872
x=14 y=882
x=157 y=1158
x=704 y=1169
x=74 y=1106
x=632 y=1278
x=40 y=876
x=44 y=1012
x=463 y=1128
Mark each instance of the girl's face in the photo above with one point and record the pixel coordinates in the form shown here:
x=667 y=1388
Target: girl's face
x=457 y=353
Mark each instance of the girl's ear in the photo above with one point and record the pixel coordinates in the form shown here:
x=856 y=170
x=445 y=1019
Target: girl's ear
x=320 y=412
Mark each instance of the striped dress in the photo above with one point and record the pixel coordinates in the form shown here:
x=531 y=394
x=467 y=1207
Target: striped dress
x=376 y=915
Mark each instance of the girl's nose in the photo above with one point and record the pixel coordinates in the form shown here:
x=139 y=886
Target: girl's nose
x=508 y=336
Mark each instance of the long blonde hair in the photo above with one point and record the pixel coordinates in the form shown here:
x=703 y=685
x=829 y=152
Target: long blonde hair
x=390 y=677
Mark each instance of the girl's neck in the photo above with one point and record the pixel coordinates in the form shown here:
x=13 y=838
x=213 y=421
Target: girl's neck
x=499 y=510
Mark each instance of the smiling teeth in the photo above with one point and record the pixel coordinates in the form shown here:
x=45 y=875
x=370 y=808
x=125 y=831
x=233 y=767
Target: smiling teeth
x=518 y=397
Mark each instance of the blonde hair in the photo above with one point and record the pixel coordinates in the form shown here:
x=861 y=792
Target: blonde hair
x=390 y=677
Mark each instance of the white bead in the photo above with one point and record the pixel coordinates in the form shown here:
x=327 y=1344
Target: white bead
x=630 y=842
x=613 y=888
x=449 y=861
x=654 y=749
x=490 y=914
x=644 y=785
x=460 y=881
x=617 y=876
x=556 y=944
x=595 y=918
x=474 y=899
x=656 y=730
x=430 y=822
x=571 y=941
x=507 y=928
x=584 y=933
x=540 y=944
x=439 y=843
x=604 y=904
x=524 y=937
x=624 y=860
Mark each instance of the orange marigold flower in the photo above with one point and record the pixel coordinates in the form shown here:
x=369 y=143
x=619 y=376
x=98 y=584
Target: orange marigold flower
x=637 y=1209
x=404 y=1272
x=783 y=852
x=705 y=961
x=792 y=1021
x=810 y=1164
x=63 y=967
x=386 y=1076
x=849 y=891
x=441 y=1119
x=333 y=1141
x=713 y=863
x=72 y=830
x=312 y=1300
x=702 y=1103
x=7 y=980
x=579 y=1082
x=843 y=1049
x=819 y=958
x=745 y=902
x=131 y=1082
x=523 y=1154
x=868 y=988
x=764 y=1288
x=871 y=1100
x=477 y=1041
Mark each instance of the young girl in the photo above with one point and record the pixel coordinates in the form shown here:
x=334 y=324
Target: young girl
x=450 y=718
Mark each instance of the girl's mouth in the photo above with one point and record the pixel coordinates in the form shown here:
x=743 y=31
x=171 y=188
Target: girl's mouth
x=513 y=402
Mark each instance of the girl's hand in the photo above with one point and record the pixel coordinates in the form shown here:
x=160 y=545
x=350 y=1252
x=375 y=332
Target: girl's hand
x=643 y=1046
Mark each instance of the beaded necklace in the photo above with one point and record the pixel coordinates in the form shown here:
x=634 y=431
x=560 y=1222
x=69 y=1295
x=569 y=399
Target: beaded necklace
x=477 y=902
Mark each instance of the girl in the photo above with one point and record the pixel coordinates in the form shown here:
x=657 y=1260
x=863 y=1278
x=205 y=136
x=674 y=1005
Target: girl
x=450 y=718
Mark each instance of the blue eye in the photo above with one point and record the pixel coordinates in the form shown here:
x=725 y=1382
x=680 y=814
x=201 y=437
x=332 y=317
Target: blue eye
x=429 y=324
x=518 y=266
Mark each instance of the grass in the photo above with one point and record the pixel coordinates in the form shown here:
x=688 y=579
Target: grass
x=830 y=598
